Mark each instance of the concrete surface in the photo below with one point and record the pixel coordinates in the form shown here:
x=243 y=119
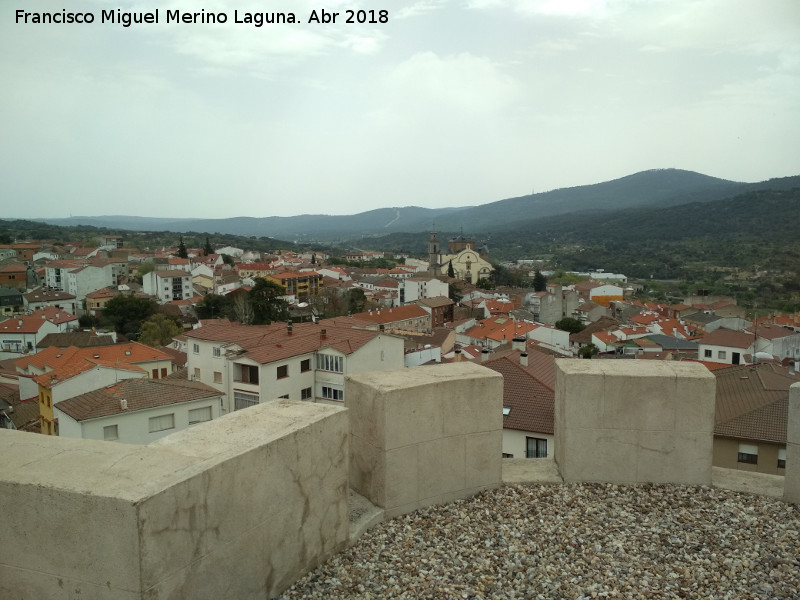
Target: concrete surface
x=427 y=436
x=634 y=421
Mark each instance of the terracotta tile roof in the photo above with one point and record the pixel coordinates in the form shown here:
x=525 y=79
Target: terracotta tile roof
x=391 y=315
x=268 y=343
x=72 y=358
x=33 y=322
x=178 y=357
x=585 y=336
x=645 y=318
x=728 y=337
x=606 y=337
x=771 y=332
x=500 y=329
x=436 y=301
x=41 y=295
x=752 y=402
x=102 y=293
x=139 y=393
x=79 y=339
x=13 y=268
x=530 y=402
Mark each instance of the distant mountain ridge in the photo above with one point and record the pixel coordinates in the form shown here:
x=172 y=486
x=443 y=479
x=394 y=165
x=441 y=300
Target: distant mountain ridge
x=654 y=188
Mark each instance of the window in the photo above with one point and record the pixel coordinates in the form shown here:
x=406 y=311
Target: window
x=722 y=354
x=197 y=372
x=781 y=458
x=283 y=371
x=328 y=362
x=305 y=394
x=155 y=373
x=536 y=448
x=198 y=415
x=162 y=423
x=163 y=372
x=284 y=397
x=506 y=411
x=196 y=348
x=217 y=377
x=243 y=400
x=507 y=455
x=305 y=365
x=217 y=351
x=708 y=354
x=249 y=374
x=110 y=433
x=748 y=453
x=332 y=393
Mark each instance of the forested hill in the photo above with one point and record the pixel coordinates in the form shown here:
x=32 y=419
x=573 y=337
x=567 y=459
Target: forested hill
x=659 y=187
x=755 y=228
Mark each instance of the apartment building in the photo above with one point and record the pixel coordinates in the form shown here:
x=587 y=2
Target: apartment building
x=252 y=364
x=168 y=285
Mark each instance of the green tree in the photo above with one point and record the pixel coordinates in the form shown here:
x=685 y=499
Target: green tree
x=588 y=351
x=207 y=249
x=356 y=301
x=570 y=324
x=454 y=293
x=484 y=284
x=539 y=281
x=450 y=271
x=268 y=306
x=127 y=313
x=159 y=330
x=228 y=259
x=182 y=253
x=145 y=268
x=212 y=306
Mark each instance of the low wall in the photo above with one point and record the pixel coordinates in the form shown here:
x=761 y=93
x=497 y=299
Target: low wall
x=791 y=486
x=237 y=508
x=634 y=421
x=427 y=436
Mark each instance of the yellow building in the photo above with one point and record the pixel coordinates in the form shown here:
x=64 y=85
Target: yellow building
x=297 y=284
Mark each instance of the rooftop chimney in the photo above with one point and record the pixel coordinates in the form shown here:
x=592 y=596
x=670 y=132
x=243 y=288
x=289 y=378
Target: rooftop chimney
x=123 y=403
x=323 y=334
x=484 y=355
x=289 y=328
x=518 y=343
x=523 y=359
x=458 y=354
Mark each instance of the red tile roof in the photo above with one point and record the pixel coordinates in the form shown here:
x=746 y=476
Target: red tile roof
x=753 y=401
x=531 y=403
x=268 y=343
x=500 y=329
x=392 y=315
x=727 y=337
x=140 y=394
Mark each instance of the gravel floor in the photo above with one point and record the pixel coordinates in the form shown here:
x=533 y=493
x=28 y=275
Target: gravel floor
x=575 y=541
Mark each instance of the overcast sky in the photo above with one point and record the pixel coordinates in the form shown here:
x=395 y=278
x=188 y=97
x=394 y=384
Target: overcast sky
x=452 y=102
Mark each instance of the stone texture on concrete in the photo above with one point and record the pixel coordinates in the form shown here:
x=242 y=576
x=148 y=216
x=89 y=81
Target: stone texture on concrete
x=634 y=421
x=791 y=490
x=426 y=436
x=234 y=508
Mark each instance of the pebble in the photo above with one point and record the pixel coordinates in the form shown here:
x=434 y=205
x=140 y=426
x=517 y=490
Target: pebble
x=575 y=541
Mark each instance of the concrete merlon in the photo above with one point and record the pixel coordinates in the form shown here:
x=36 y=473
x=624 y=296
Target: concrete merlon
x=791 y=488
x=629 y=421
x=182 y=517
x=424 y=436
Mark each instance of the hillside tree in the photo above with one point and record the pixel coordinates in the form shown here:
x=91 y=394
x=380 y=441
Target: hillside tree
x=159 y=330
